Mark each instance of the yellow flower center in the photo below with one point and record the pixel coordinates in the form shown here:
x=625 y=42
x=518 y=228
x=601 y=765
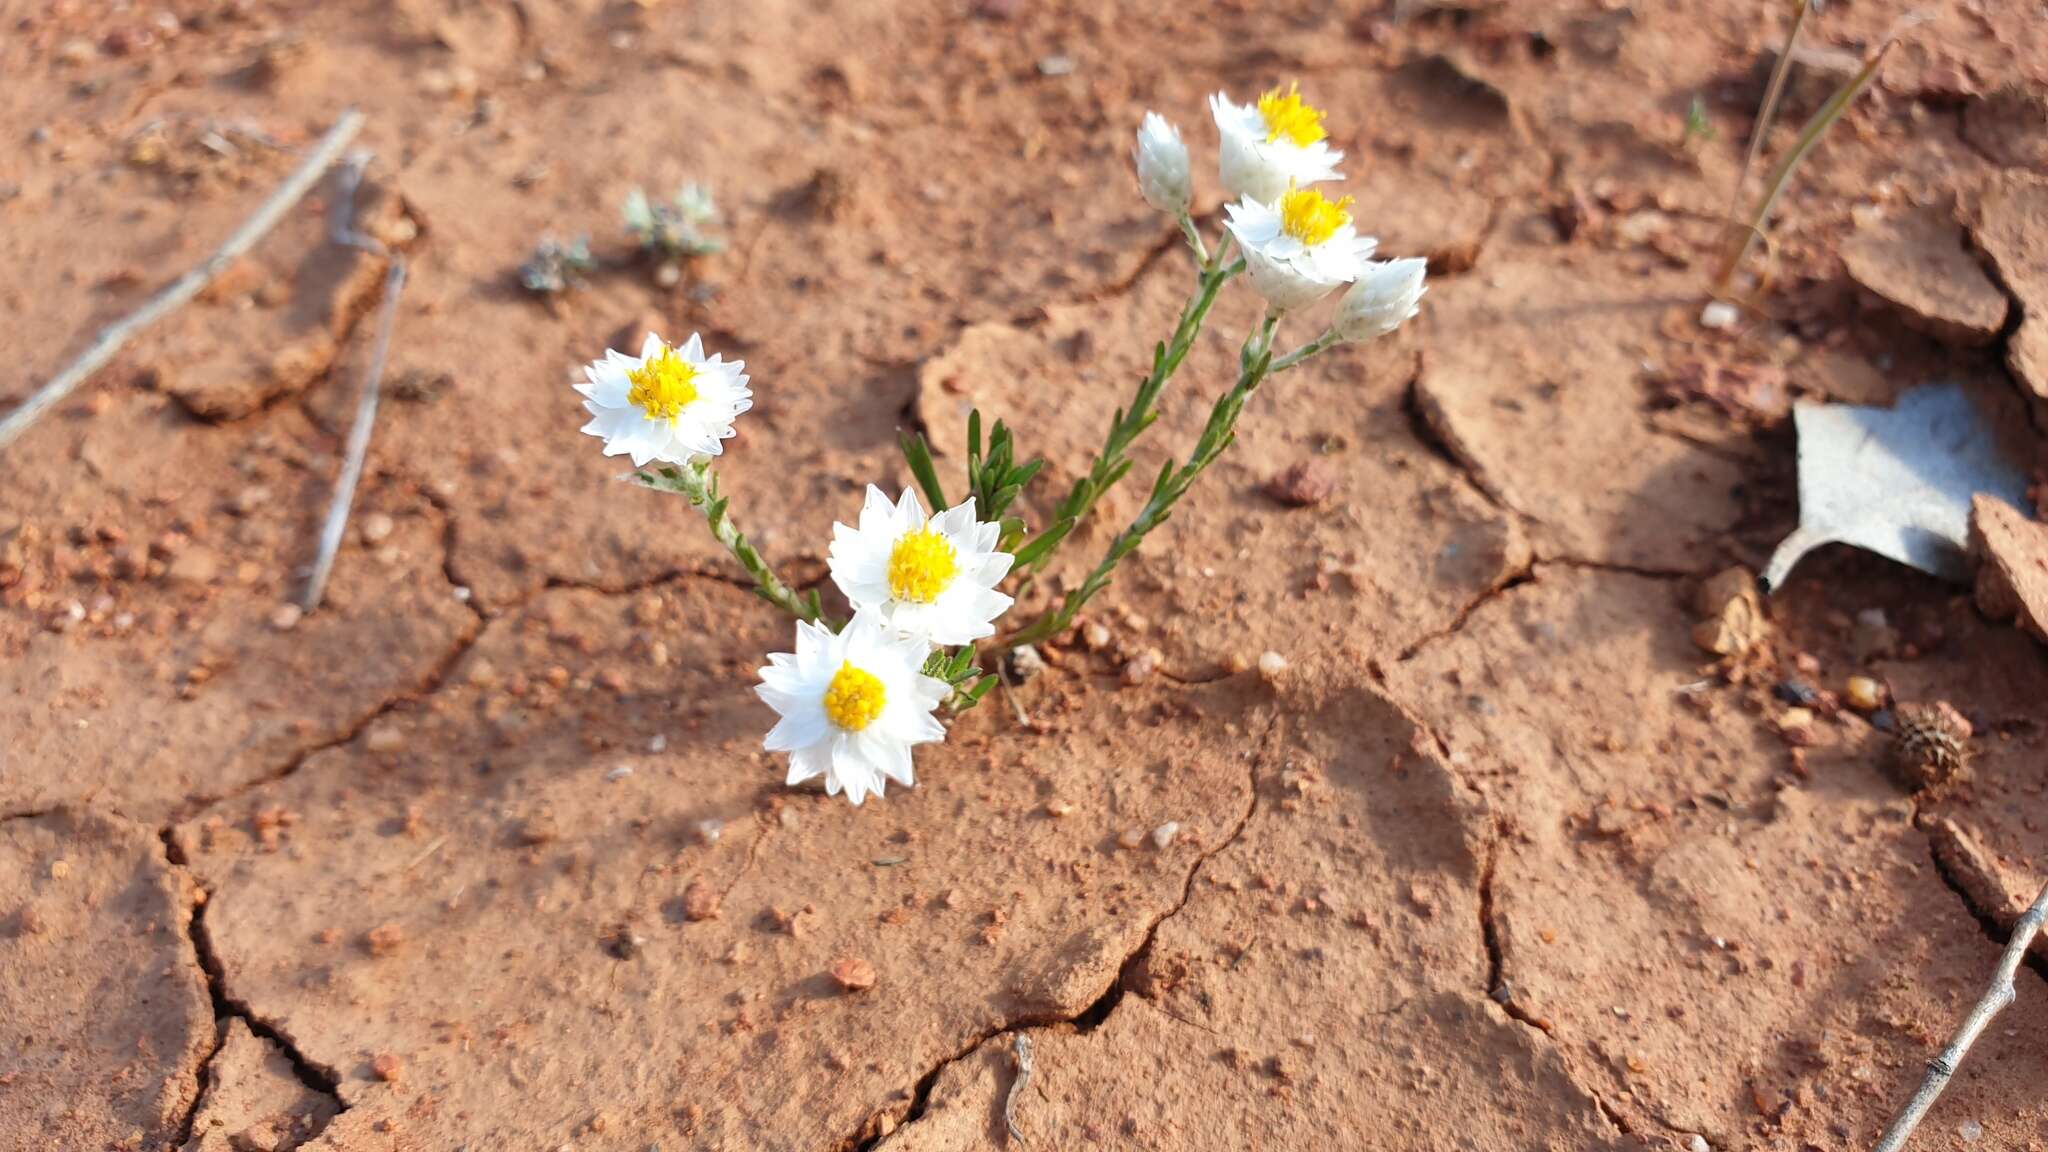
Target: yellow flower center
x=1311 y=217
x=921 y=565
x=663 y=386
x=1287 y=116
x=855 y=698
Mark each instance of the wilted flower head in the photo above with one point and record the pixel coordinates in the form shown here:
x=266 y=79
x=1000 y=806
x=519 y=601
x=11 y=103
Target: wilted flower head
x=668 y=403
x=1299 y=248
x=934 y=579
x=1271 y=146
x=1384 y=297
x=1162 y=161
x=852 y=705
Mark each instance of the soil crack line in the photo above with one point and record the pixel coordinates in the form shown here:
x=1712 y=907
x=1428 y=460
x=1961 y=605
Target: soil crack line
x=314 y=1077
x=1090 y=1018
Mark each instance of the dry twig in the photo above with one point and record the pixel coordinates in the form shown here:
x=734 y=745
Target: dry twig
x=2000 y=994
x=344 y=231
x=115 y=336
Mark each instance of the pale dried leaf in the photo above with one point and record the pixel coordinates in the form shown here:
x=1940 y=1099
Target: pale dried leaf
x=1896 y=481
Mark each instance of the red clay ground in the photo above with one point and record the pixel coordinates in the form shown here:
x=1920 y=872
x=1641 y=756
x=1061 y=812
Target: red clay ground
x=1501 y=859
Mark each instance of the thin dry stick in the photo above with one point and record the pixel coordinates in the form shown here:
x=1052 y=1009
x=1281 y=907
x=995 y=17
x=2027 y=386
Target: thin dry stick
x=344 y=232
x=116 y=335
x=1017 y=1089
x=2000 y=994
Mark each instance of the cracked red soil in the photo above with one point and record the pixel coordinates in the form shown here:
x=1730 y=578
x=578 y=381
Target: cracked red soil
x=485 y=852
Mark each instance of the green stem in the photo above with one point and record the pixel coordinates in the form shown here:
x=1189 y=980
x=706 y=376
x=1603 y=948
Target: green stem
x=1327 y=340
x=1112 y=462
x=1255 y=363
x=697 y=483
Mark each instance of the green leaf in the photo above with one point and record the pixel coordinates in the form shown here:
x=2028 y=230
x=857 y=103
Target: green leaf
x=1047 y=540
x=918 y=454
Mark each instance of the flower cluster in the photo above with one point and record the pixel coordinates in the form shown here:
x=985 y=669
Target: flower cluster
x=924 y=589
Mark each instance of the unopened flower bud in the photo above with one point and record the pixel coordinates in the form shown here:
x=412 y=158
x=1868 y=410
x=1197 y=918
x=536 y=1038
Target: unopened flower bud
x=1382 y=299
x=1163 y=165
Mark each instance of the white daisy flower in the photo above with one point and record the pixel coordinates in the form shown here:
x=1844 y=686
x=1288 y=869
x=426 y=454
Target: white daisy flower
x=1300 y=247
x=1269 y=147
x=852 y=705
x=668 y=403
x=1387 y=294
x=934 y=579
x=1162 y=161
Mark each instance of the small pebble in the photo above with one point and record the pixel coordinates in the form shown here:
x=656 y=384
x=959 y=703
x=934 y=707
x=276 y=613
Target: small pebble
x=1271 y=665
x=619 y=773
x=376 y=528
x=386 y=1067
x=1971 y=1131
x=709 y=831
x=701 y=901
x=854 y=974
x=1026 y=663
x=1131 y=837
x=658 y=744
x=1720 y=315
x=1057 y=808
x=383 y=738
x=286 y=617
x=1162 y=836
x=1095 y=636
x=1864 y=694
x=1698 y=1143
x=1141 y=667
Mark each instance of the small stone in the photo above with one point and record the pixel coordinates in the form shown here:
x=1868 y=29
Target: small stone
x=376 y=528
x=1162 y=836
x=1271 y=665
x=1058 y=809
x=1720 y=316
x=1026 y=663
x=1095 y=636
x=384 y=939
x=1864 y=694
x=383 y=738
x=1734 y=614
x=1873 y=636
x=1056 y=65
x=619 y=773
x=1302 y=485
x=1796 y=725
x=286 y=617
x=701 y=901
x=1698 y=1143
x=1141 y=667
x=854 y=974
x=1131 y=837
x=1971 y=1131
x=386 y=1067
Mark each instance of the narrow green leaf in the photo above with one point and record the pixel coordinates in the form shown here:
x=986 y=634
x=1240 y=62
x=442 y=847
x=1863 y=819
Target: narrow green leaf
x=918 y=454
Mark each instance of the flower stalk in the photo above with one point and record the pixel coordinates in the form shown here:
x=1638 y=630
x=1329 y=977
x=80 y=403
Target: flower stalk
x=697 y=483
x=1114 y=460
x=1255 y=363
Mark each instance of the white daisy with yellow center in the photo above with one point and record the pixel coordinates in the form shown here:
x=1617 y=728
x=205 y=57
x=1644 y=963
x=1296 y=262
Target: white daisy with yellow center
x=668 y=403
x=1272 y=145
x=934 y=579
x=852 y=705
x=1299 y=248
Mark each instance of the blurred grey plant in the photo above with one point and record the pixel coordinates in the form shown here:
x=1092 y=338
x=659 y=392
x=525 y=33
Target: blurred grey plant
x=675 y=231
x=556 y=267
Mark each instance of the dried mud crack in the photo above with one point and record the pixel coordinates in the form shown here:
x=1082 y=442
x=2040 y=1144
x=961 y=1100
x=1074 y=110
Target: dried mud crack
x=311 y=1076
x=1098 y=1011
